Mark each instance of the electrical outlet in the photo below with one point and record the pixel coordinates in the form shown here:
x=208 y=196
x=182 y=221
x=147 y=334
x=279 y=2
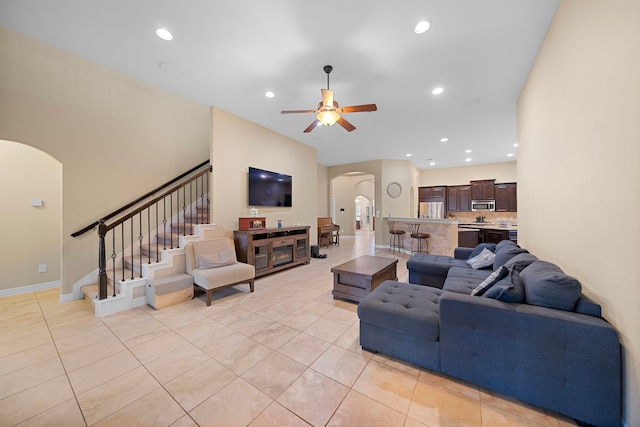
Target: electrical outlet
x=42 y=268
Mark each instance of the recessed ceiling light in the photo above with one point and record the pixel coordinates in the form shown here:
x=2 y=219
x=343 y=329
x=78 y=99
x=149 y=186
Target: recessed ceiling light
x=169 y=67
x=269 y=94
x=468 y=159
x=510 y=155
x=422 y=27
x=164 y=34
x=432 y=163
x=467 y=151
x=408 y=155
x=444 y=139
x=437 y=91
x=515 y=145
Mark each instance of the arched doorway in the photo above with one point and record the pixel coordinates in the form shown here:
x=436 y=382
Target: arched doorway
x=352 y=197
x=32 y=194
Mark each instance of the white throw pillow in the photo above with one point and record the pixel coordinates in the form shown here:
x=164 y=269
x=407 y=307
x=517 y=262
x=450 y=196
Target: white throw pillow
x=218 y=259
x=484 y=259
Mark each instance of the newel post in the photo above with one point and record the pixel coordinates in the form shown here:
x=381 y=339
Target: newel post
x=102 y=260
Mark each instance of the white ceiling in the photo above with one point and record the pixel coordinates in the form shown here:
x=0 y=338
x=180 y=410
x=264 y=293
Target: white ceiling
x=230 y=53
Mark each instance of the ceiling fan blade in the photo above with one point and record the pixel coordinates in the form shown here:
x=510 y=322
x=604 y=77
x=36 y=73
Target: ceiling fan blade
x=359 y=108
x=296 y=111
x=327 y=97
x=312 y=126
x=345 y=124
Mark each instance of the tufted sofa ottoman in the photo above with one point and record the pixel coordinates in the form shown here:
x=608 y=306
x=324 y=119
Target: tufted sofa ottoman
x=402 y=321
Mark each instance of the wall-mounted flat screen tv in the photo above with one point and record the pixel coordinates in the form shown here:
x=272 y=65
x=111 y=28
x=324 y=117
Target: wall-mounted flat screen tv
x=268 y=188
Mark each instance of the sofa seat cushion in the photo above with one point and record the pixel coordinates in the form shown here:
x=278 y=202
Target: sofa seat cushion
x=464 y=280
x=403 y=307
x=434 y=264
x=212 y=278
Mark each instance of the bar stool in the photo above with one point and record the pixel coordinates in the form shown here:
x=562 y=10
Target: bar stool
x=414 y=232
x=396 y=238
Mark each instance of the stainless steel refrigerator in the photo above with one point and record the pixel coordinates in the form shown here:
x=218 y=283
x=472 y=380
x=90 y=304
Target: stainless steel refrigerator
x=434 y=210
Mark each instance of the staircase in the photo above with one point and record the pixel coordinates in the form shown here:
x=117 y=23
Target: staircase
x=146 y=242
x=164 y=257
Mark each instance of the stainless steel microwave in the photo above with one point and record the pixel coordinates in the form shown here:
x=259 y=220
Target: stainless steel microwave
x=483 y=205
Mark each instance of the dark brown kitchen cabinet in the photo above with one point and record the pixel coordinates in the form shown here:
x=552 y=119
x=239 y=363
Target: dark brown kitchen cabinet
x=507 y=197
x=459 y=198
x=492 y=235
x=432 y=194
x=483 y=189
x=468 y=237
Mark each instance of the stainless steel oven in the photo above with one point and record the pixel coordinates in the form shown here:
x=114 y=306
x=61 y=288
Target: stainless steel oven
x=483 y=205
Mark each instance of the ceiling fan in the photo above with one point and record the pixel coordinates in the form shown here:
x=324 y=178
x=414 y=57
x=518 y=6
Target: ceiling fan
x=329 y=112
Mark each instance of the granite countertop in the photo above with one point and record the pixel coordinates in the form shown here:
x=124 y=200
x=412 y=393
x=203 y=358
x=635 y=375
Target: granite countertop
x=489 y=226
x=425 y=220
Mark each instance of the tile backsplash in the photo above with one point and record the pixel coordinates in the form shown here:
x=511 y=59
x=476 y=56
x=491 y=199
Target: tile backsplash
x=470 y=217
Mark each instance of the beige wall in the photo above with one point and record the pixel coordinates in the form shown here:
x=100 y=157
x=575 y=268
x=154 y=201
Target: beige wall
x=116 y=137
x=31 y=235
x=385 y=172
x=502 y=172
x=578 y=174
x=237 y=144
x=323 y=191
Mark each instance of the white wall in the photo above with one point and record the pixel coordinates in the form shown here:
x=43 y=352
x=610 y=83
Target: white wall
x=237 y=144
x=578 y=165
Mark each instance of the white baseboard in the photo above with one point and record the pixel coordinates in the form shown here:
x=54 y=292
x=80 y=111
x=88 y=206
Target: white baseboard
x=30 y=288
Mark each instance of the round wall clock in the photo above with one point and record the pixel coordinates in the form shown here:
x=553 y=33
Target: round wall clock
x=394 y=189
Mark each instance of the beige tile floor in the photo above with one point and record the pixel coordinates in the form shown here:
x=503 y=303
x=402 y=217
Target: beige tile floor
x=285 y=355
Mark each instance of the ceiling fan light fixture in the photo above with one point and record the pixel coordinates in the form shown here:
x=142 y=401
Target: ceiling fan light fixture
x=328 y=118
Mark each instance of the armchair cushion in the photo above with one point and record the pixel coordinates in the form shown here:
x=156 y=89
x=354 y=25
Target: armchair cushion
x=217 y=259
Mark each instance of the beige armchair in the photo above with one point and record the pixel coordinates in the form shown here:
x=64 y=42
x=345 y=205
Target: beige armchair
x=213 y=265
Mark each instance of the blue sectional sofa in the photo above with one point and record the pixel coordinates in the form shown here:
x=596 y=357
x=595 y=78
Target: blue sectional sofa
x=529 y=332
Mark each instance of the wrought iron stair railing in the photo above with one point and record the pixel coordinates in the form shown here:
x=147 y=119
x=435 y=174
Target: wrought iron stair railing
x=157 y=218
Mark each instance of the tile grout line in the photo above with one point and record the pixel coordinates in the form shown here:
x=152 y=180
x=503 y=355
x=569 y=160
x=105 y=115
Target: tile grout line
x=64 y=367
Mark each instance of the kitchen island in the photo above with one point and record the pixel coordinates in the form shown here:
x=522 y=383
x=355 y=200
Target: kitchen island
x=443 y=234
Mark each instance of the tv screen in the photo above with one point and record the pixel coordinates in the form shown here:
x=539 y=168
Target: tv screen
x=269 y=188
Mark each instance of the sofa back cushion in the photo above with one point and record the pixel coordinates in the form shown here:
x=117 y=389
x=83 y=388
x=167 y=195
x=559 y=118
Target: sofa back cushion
x=520 y=261
x=501 y=244
x=505 y=253
x=546 y=285
x=508 y=289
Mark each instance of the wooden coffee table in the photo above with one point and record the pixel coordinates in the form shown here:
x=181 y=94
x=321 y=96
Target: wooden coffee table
x=353 y=280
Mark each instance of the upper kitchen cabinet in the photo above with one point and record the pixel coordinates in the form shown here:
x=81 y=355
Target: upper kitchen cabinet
x=432 y=194
x=483 y=189
x=506 y=197
x=459 y=198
